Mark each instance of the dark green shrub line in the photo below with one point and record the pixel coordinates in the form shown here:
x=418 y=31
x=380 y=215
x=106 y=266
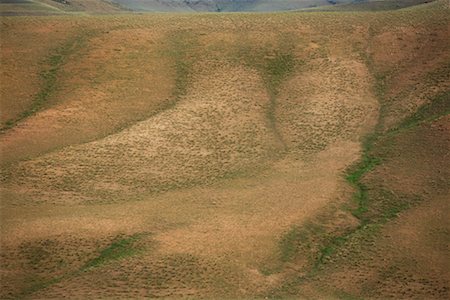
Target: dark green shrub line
x=275 y=71
x=39 y=285
x=371 y=218
x=181 y=43
x=118 y=249
x=330 y=249
x=180 y=52
x=360 y=196
x=274 y=65
x=438 y=107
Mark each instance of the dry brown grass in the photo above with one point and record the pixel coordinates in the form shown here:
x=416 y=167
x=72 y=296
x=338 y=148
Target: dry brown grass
x=407 y=257
x=175 y=154
x=100 y=89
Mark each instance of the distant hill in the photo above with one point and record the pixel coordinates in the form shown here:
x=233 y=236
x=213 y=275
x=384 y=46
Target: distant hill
x=222 y=5
x=261 y=5
x=45 y=7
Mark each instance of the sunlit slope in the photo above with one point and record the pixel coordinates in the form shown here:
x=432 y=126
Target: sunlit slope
x=92 y=84
x=217 y=156
x=232 y=125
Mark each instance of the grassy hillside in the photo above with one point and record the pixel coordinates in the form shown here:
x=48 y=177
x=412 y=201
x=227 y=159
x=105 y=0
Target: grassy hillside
x=283 y=155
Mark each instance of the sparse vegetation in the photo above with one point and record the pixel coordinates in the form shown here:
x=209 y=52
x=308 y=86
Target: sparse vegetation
x=48 y=78
x=280 y=155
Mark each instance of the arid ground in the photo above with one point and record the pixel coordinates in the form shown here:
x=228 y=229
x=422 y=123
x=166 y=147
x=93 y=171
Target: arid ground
x=236 y=155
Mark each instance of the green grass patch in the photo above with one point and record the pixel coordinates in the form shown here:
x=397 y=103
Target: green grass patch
x=180 y=50
x=360 y=196
x=385 y=205
x=289 y=243
x=275 y=64
x=276 y=69
x=330 y=249
x=37 y=284
x=438 y=107
x=300 y=237
x=119 y=249
x=345 y=296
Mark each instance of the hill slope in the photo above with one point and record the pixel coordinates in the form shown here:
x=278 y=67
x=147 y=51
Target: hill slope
x=226 y=155
x=51 y=7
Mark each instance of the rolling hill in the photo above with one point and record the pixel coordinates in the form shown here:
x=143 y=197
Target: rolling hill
x=224 y=156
